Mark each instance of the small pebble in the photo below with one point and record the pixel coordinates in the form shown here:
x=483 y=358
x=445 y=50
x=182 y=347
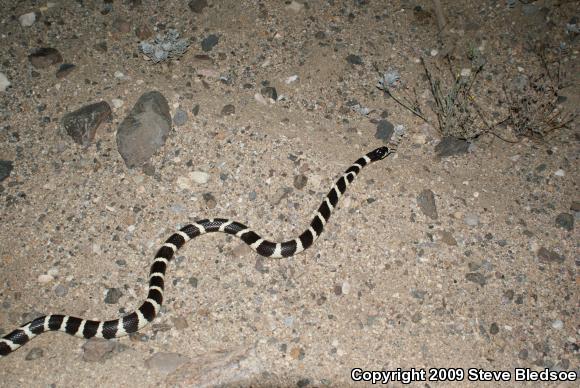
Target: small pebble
x=434 y=52
x=113 y=296
x=180 y=117
x=291 y=79
x=4 y=83
x=345 y=288
x=60 y=290
x=252 y=195
x=199 y=177
x=560 y=172
x=557 y=324
x=465 y=72
x=228 y=110
x=471 y=219
x=300 y=181
x=27 y=19
x=97 y=349
x=34 y=353
x=210 y=200
x=117 y=103
x=45 y=278
x=119 y=75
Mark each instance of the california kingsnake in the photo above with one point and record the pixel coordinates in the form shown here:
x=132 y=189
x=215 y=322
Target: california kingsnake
x=136 y=320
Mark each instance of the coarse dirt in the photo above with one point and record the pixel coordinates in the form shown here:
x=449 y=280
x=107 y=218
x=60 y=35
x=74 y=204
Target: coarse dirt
x=491 y=282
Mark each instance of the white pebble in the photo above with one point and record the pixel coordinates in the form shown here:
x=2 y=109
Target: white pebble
x=183 y=183
x=199 y=177
x=465 y=72
x=4 y=83
x=560 y=172
x=345 y=288
x=434 y=53
x=476 y=194
x=515 y=158
x=117 y=103
x=53 y=272
x=557 y=324
x=471 y=219
x=27 y=19
x=119 y=75
x=295 y=6
x=291 y=79
x=45 y=278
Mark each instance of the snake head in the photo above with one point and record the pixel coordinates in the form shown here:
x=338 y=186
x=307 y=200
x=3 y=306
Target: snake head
x=379 y=153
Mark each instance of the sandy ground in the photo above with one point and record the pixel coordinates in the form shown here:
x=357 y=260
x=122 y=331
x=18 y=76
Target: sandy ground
x=385 y=287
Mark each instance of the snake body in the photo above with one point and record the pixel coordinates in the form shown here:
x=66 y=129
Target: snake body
x=136 y=320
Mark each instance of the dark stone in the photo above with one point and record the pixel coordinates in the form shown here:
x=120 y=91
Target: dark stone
x=385 y=130
x=565 y=221
x=228 y=110
x=547 y=256
x=449 y=146
x=208 y=43
x=197 y=6
x=269 y=92
x=354 y=59
x=195 y=109
x=45 y=57
x=300 y=181
x=476 y=277
x=144 y=130
x=494 y=328
x=82 y=124
x=320 y=35
x=426 y=202
x=6 y=167
x=64 y=70
x=575 y=206
x=113 y=296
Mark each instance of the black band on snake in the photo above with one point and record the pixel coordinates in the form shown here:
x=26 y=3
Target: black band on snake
x=139 y=318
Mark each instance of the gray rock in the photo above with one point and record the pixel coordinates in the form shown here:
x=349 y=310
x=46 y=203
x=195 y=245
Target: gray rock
x=82 y=124
x=197 y=6
x=180 y=117
x=210 y=200
x=6 y=167
x=476 y=277
x=449 y=146
x=565 y=221
x=144 y=130
x=113 y=296
x=209 y=42
x=471 y=219
x=45 y=57
x=300 y=181
x=228 y=110
x=547 y=256
x=195 y=109
x=426 y=202
x=385 y=130
x=97 y=349
x=60 y=290
x=269 y=92
x=166 y=362
x=354 y=59
x=34 y=353
x=64 y=70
